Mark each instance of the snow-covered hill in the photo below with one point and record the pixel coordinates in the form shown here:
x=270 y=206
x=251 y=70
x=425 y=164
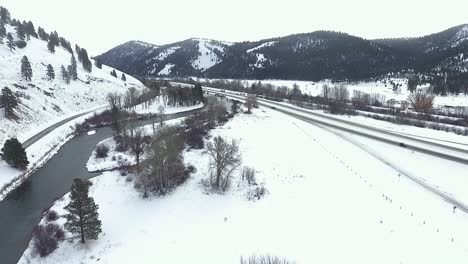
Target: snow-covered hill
x=43 y=101
x=311 y=56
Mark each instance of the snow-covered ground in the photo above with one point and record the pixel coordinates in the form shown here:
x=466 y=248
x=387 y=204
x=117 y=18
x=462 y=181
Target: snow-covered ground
x=315 y=88
x=207 y=58
x=41 y=101
x=115 y=158
x=329 y=202
x=38 y=154
x=44 y=103
x=153 y=107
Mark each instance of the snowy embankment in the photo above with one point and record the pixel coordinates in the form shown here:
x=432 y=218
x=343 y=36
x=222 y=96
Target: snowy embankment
x=38 y=154
x=153 y=108
x=43 y=102
x=116 y=159
x=328 y=202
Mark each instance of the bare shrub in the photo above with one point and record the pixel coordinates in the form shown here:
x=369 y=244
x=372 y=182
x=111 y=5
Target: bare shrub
x=257 y=193
x=421 y=101
x=251 y=102
x=45 y=238
x=195 y=136
x=52 y=216
x=102 y=151
x=326 y=92
x=248 y=174
x=265 y=259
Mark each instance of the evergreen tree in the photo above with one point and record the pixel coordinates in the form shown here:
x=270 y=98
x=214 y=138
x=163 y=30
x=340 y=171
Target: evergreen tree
x=73 y=71
x=87 y=64
x=51 y=46
x=42 y=34
x=54 y=38
x=83 y=217
x=5 y=15
x=123 y=77
x=78 y=53
x=29 y=29
x=98 y=63
x=10 y=42
x=26 y=70
x=50 y=72
x=2 y=31
x=8 y=101
x=20 y=32
x=65 y=75
x=14 y=154
x=198 y=93
x=412 y=83
x=113 y=73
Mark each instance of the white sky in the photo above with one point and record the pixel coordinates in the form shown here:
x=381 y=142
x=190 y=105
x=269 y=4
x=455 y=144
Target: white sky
x=99 y=25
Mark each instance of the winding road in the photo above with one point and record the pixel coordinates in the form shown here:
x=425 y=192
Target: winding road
x=22 y=209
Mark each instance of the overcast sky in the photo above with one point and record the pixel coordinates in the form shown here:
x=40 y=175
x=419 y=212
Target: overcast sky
x=99 y=25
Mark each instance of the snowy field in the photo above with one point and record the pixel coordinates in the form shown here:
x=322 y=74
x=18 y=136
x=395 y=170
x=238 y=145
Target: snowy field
x=329 y=202
x=315 y=88
x=153 y=108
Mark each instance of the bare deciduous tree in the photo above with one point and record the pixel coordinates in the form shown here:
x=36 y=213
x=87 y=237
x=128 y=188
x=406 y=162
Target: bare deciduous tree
x=251 y=102
x=421 y=101
x=166 y=160
x=137 y=141
x=248 y=174
x=326 y=91
x=161 y=111
x=225 y=159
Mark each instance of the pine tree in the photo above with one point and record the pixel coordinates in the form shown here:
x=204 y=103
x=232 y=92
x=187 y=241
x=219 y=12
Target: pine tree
x=5 y=15
x=29 y=29
x=54 y=38
x=10 y=42
x=50 y=72
x=51 y=46
x=198 y=93
x=2 y=31
x=123 y=77
x=65 y=75
x=9 y=101
x=14 y=154
x=78 y=53
x=113 y=73
x=98 y=63
x=26 y=70
x=73 y=71
x=83 y=217
x=20 y=32
x=42 y=34
x=87 y=64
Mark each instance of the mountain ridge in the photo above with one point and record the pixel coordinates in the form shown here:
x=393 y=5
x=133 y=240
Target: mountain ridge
x=312 y=56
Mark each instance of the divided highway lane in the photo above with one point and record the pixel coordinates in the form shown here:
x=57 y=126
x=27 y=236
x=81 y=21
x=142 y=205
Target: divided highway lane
x=444 y=151
x=336 y=129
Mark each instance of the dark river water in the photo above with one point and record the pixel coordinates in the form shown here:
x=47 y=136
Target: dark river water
x=22 y=209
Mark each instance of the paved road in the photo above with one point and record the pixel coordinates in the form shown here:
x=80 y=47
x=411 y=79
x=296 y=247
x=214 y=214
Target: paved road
x=333 y=129
x=22 y=209
x=46 y=131
x=439 y=150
